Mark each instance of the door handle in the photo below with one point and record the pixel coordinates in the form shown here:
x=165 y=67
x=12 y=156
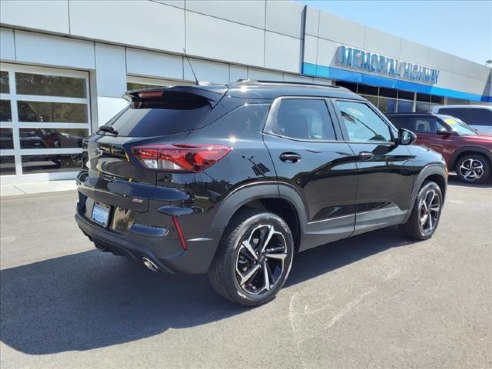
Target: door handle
x=365 y=155
x=290 y=157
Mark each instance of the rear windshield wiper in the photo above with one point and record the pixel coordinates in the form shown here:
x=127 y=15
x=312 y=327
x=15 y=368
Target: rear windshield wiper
x=108 y=129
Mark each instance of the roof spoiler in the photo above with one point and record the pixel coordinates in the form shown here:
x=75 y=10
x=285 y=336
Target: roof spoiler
x=211 y=93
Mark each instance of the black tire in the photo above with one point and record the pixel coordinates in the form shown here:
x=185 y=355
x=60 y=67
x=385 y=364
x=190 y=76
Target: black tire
x=423 y=221
x=234 y=257
x=473 y=168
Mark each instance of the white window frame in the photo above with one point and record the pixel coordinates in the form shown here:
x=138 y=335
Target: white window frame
x=15 y=125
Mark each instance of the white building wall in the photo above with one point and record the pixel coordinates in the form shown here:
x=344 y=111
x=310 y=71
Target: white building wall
x=48 y=15
x=7 y=44
x=56 y=51
x=225 y=41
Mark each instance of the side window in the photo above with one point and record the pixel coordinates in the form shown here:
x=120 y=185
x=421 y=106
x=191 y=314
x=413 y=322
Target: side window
x=422 y=125
x=306 y=119
x=440 y=126
x=426 y=125
x=362 y=123
x=480 y=117
x=400 y=122
x=460 y=113
x=243 y=122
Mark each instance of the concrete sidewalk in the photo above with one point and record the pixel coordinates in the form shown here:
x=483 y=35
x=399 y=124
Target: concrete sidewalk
x=38 y=187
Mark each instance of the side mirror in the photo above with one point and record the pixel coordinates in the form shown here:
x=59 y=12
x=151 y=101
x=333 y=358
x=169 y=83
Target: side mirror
x=443 y=131
x=406 y=137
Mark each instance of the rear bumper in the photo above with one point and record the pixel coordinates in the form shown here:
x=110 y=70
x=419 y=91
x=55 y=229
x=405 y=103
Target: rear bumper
x=167 y=254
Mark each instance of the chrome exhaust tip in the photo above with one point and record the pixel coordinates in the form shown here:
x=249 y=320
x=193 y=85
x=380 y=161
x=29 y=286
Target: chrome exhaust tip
x=150 y=264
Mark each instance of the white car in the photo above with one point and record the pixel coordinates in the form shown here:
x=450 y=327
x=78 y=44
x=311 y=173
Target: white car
x=479 y=117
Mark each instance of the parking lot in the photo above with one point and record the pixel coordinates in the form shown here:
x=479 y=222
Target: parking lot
x=374 y=301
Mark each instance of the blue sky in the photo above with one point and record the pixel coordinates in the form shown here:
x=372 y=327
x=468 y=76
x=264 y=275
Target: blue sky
x=462 y=28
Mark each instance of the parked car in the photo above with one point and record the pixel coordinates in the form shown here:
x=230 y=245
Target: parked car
x=479 y=117
x=232 y=180
x=464 y=150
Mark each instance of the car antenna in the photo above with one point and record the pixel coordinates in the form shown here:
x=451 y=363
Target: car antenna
x=191 y=66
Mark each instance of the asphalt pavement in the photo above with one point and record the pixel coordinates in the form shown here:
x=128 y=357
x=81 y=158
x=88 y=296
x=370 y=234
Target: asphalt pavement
x=374 y=301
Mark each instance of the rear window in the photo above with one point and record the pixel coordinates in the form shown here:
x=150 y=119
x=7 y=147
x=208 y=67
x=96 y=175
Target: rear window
x=463 y=114
x=176 y=112
x=481 y=117
x=474 y=116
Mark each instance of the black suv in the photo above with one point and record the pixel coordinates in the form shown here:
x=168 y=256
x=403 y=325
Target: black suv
x=232 y=180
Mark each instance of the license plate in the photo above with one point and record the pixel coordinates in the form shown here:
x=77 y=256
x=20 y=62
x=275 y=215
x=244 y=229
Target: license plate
x=100 y=214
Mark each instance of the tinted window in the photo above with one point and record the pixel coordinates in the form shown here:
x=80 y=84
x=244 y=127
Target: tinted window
x=480 y=117
x=461 y=113
x=425 y=125
x=362 y=123
x=243 y=122
x=304 y=119
x=176 y=112
x=400 y=122
x=405 y=95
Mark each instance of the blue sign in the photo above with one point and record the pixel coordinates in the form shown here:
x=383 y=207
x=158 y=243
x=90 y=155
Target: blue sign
x=376 y=63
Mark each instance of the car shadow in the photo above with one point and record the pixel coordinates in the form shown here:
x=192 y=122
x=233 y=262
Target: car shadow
x=454 y=180
x=92 y=299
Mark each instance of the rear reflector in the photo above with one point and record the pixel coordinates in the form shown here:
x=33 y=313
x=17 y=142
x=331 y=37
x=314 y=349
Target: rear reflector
x=180 y=233
x=180 y=157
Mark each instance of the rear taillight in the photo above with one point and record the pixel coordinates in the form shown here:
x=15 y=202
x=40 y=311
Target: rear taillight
x=180 y=157
x=150 y=94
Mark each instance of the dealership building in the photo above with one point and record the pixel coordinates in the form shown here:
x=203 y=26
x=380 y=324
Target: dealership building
x=66 y=64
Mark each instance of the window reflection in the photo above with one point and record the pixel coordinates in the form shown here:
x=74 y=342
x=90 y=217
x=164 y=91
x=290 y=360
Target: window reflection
x=51 y=163
x=5 y=112
x=373 y=99
x=30 y=111
x=45 y=85
x=387 y=105
x=47 y=138
x=405 y=106
x=4 y=82
x=423 y=107
x=7 y=165
x=6 y=139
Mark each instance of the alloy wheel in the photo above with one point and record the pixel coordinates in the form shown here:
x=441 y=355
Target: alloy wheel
x=260 y=260
x=471 y=169
x=429 y=211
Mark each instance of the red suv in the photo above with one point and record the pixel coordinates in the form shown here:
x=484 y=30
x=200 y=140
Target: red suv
x=465 y=151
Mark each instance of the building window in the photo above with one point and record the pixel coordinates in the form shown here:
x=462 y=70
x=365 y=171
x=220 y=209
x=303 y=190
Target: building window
x=387 y=104
x=351 y=86
x=45 y=115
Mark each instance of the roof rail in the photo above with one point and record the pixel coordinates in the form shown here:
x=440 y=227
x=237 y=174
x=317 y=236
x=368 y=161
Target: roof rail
x=252 y=81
